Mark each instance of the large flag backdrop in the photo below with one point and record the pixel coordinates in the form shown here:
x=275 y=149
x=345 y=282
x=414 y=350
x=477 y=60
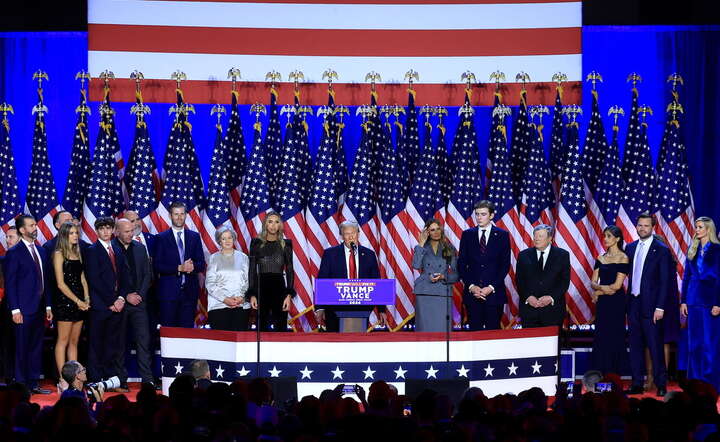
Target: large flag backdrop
x=205 y=38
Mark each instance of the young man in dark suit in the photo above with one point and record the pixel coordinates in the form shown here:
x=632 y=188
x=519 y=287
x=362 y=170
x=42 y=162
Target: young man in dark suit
x=483 y=264
x=27 y=292
x=178 y=260
x=139 y=278
x=543 y=278
x=105 y=271
x=647 y=288
x=348 y=260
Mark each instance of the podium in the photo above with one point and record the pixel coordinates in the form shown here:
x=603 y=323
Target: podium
x=352 y=300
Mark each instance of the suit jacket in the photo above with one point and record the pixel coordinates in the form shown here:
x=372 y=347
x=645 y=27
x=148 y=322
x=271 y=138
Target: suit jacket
x=333 y=266
x=150 y=241
x=143 y=270
x=655 y=276
x=21 y=281
x=552 y=281
x=701 y=287
x=167 y=260
x=104 y=283
x=485 y=269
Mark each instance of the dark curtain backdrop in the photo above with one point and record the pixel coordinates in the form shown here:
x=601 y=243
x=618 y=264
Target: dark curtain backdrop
x=652 y=51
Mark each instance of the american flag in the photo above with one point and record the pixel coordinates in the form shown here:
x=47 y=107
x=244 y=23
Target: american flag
x=409 y=143
x=293 y=187
x=500 y=192
x=540 y=37
x=342 y=183
x=637 y=173
x=610 y=184
x=360 y=203
x=142 y=178
x=558 y=148
x=444 y=167
x=424 y=201
x=466 y=189
x=9 y=199
x=235 y=160
x=105 y=197
x=273 y=147
x=255 y=199
x=521 y=145
x=41 y=200
x=78 y=178
x=677 y=212
x=395 y=251
x=323 y=206
x=538 y=199
x=255 y=196
x=217 y=212
x=574 y=231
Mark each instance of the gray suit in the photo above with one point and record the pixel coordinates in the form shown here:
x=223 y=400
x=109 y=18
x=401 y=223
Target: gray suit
x=139 y=281
x=431 y=303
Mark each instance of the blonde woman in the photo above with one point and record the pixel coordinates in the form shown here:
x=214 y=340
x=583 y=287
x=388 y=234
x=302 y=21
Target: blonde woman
x=72 y=297
x=272 y=276
x=226 y=284
x=700 y=303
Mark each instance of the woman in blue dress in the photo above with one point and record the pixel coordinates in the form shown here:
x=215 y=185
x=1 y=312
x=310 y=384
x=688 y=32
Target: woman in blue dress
x=611 y=268
x=701 y=303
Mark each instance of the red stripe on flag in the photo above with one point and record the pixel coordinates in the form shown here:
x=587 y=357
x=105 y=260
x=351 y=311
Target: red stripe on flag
x=334 y=42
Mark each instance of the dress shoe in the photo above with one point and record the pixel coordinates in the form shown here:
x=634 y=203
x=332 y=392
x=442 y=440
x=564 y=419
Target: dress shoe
x=661 y=391
x=635 y=389
x=38 y=390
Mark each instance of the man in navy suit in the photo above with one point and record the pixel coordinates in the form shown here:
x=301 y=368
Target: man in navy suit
x=178 y=261
x=105 y=271
x=7 y=340
x=347 y=261
x=648 y=288
x=483 y=264
x=26 y=280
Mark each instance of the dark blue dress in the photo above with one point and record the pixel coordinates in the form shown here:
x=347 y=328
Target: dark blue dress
x=609 y=352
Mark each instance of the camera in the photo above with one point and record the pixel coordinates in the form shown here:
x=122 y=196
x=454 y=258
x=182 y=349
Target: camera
x=104 y=385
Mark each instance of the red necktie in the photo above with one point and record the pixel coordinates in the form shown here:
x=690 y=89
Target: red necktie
x=352 y=267
x=111 y=254
x=138 y=239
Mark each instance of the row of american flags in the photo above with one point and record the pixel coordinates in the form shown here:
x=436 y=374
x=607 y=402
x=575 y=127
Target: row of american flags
x=398 y=180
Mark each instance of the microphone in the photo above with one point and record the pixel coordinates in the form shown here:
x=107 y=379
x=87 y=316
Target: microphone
x=353 y=246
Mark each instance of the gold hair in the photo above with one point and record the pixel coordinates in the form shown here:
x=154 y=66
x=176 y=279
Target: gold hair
x=63 y=246
x=711 y=232
x=264 y=232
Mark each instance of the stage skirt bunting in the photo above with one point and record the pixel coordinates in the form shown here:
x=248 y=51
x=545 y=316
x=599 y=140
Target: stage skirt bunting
x=498 y=361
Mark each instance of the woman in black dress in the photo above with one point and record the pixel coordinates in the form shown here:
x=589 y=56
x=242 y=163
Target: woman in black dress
x=271 y=274
x=609 y=349
x=72 y=299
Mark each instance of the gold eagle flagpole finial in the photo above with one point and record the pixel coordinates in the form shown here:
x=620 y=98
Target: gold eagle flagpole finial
x=594 y=77
x=497 y=77
x=234 y=74
x=218 y=110
x=40 y=107
x=572 y=111
x=373 y=77
x=675 y=78
x=330 y=75
x=410 y=76
x=524 y=78
x=5 y=109
x=675 y=108
x=634 y=78
x=616 y=112
x=644 y=110
x=83 y=108
x=258 y=109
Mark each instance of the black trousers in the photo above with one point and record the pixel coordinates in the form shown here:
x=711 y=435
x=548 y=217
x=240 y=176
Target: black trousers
x=138 y=325
x=232 y=319
x=483 y=316
x=106 y=356
x=272 y=294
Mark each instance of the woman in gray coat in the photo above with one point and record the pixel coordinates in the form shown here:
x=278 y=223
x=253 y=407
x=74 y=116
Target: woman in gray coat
x=436 y=259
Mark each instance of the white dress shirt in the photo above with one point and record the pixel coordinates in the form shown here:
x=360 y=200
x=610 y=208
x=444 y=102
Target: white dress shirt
x=357 y=260
x=546 y=251
x=639 y=263
x=487 y=230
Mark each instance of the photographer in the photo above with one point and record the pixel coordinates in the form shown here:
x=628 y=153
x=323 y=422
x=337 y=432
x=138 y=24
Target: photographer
x=74 y=377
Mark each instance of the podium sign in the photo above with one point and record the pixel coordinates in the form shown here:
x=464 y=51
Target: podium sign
x=354 y=292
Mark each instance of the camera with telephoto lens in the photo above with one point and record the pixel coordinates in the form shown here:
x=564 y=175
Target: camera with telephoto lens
x=102 y=385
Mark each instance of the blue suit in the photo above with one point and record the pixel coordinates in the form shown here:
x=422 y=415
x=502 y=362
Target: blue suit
x=27 y=292
x=177 y=300
x=333 y=266
x=701 y=292
x=107 y=328
x=653 y=293
x=483 y=269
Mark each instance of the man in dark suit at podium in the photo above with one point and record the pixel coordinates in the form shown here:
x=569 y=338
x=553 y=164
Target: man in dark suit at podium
x=483 y=264
x=347 y=261
x=543 y=278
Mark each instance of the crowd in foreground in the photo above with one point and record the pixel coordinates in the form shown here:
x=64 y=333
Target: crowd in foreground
x=200 y=410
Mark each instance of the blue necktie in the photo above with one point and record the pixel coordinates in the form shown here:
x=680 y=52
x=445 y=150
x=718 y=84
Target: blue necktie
x=181 y=251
